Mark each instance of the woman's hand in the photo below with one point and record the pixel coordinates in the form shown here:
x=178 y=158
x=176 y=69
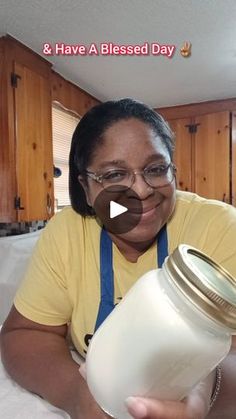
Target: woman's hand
x=195 y=406
x=141 y=408
x=87 y=407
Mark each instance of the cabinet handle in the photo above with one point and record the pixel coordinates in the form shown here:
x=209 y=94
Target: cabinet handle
x=224 y=197
x=49 y=204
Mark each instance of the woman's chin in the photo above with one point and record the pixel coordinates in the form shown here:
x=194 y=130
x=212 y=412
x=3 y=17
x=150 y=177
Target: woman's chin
x=140 y=233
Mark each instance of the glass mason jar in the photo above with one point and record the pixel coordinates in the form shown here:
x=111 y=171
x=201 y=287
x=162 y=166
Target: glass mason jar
x=169 y=332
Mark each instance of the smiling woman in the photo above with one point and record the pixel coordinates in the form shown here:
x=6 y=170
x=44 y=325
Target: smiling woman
x=135 y=147
x=81 y=269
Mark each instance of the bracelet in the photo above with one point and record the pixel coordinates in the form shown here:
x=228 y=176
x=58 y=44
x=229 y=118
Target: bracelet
x=216 y=390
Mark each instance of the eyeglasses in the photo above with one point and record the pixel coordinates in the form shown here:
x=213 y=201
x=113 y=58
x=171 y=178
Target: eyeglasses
x=155 y=175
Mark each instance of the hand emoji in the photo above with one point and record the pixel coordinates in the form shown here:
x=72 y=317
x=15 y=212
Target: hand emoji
x=185 y=51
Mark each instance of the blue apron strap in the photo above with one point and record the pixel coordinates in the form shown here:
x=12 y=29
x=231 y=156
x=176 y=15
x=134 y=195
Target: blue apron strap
x=106 y=278
x=106 y=271
x=162 y=246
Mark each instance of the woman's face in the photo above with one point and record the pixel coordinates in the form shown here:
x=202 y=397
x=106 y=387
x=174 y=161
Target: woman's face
x=132 y=144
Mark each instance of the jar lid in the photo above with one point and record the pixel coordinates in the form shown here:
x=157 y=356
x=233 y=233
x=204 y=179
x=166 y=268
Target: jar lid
x=204 y=282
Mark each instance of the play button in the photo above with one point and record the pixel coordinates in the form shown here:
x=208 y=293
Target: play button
x=117 y=210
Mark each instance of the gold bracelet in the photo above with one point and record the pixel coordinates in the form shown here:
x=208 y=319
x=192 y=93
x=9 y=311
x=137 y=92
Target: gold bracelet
x=216 y=390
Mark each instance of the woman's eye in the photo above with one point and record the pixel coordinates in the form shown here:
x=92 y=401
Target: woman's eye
x=114 y=175
x=157 y=170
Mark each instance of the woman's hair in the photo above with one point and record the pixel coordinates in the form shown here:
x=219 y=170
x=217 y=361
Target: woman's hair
x=88 y=135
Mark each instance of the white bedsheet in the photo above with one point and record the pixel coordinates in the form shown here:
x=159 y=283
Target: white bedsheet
x=15 y=252
x=17 y=403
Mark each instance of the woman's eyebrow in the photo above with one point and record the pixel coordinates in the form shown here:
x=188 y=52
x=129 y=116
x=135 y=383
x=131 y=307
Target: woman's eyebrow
x=152 y=157
x=156 y=156
x=112 y=163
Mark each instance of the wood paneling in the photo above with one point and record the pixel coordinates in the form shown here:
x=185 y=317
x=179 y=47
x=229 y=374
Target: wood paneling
x=212 y=156
x=193 y=109
x=26 y=161
x=14 y=104
x=33 y=145
x=203 y=157
x=70 y=96
x=7 y=140
x=26 y=56
x=183 y=154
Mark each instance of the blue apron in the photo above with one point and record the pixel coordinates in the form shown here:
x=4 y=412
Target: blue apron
x=106 y=271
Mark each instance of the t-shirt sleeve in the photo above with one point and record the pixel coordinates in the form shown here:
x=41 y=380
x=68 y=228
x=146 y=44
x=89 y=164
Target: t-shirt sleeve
x=43 y=295
x=221 y=238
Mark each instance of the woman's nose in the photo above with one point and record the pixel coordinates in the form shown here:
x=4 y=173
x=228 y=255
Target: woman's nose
x=141 y=187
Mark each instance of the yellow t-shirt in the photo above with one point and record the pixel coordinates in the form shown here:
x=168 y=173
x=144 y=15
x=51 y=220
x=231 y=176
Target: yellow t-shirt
x=62 y=283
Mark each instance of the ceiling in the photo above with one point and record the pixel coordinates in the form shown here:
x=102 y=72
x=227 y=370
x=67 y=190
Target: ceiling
x=209 y=25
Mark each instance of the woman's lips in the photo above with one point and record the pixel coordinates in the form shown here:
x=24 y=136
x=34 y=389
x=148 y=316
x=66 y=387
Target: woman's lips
x=144 y=211
x=149 y=213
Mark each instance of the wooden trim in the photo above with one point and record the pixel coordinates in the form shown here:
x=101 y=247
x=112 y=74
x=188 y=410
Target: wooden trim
x=197 y=109
x=71 y=96
x=15 y=51
x=74 y=85
x=19 y=45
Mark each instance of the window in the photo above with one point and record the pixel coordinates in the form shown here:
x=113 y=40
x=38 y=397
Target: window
x=63 y=126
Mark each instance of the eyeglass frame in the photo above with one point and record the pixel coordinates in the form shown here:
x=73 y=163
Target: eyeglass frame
x=99 y=178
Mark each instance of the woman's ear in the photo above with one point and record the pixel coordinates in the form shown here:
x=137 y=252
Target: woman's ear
x=84 y=185
x=175 y=175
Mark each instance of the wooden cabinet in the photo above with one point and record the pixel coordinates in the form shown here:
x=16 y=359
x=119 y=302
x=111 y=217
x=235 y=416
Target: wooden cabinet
x=203 y=154
x=28 y=88
x=26 y=161
x=212 y=158
x=183 y=153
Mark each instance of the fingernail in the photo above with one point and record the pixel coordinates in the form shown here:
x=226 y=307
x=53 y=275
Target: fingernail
x=136 y=407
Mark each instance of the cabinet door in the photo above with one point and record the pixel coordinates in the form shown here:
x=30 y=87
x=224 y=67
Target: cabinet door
x=34 y=162
x=7 y=145
x=211 y=145
x=183 y=153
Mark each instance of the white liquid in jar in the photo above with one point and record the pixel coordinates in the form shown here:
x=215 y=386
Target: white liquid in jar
x=153 y=343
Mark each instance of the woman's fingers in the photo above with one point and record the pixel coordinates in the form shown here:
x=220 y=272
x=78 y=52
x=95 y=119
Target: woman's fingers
x=194 y=406
x=136 y=407
x=141 y=408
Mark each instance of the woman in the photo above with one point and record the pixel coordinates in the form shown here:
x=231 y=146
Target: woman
x=125 y=148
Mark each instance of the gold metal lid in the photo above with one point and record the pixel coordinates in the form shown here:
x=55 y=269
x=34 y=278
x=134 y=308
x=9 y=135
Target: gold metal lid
x=204 y=282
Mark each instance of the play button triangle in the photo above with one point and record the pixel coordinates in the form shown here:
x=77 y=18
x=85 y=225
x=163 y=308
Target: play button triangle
x=116 y=209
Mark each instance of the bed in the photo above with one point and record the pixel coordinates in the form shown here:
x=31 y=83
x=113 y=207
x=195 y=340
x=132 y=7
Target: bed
x=15 y=252
x=15 y=402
